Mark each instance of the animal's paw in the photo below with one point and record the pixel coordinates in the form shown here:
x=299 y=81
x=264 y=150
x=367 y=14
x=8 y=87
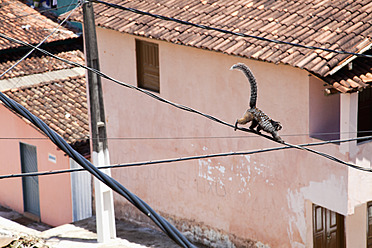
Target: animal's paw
x=255 y=130
x=236 y=125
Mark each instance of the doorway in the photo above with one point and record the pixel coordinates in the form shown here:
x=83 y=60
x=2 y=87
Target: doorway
x=30 y=185
x=328 y=228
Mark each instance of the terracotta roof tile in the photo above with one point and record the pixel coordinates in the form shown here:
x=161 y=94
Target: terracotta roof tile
x=61 y=104
x=22 y=22
x=340 y=25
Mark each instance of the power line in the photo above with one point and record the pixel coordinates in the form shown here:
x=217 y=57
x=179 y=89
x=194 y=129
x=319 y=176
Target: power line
x=193 y=137
x=116 y=6
x=182 y=159
x=179 y=106
x=234 y=136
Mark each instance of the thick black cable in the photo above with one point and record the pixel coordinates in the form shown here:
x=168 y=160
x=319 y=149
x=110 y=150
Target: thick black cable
x=165 y=18
x=176 y=104
x=182 y=159
x=110 y=182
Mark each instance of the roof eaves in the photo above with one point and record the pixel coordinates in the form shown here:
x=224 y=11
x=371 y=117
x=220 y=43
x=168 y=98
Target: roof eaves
x=351 y=58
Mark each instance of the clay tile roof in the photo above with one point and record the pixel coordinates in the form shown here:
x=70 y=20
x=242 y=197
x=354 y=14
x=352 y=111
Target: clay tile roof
x=22 y=22
x=338 y=25
x=356 y=78
x=40 y=64
x=61 y=104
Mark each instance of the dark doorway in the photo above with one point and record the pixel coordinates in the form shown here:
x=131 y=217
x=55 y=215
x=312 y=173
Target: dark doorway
x=30 y=185
x=328 y=228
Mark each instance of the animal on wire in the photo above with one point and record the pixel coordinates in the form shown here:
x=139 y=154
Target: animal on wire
x=258 y=118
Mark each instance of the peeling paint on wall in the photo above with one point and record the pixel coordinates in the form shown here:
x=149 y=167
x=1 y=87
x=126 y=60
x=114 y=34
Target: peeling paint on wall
x=330 y=193
x=245 y=172
x=296 y=221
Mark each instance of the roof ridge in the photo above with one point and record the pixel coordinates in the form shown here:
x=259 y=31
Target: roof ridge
x=42 y=84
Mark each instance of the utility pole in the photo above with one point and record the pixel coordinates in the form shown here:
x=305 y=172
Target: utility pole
x=105 y=217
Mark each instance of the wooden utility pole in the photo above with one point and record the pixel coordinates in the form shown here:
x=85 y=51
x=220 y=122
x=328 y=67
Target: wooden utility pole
x=105 y=217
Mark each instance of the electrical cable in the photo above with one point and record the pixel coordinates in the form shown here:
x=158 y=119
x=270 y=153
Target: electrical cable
x=194 y=137
x=116 y=6
x=171 y=231
x=182 y=159
x=179 y=106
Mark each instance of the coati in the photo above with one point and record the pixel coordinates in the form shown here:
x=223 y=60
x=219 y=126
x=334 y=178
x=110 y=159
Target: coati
x=253 y=114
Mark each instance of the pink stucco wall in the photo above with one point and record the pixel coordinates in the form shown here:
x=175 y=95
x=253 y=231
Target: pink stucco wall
x=54 y=190
x=263 y=197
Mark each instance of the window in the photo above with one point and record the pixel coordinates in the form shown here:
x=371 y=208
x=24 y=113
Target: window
x=147 y=54
x=365 y=113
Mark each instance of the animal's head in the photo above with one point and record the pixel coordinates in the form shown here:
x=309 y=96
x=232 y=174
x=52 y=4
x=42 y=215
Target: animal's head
x=276 y=125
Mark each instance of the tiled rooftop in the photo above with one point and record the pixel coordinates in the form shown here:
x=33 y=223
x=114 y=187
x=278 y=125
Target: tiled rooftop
x=352 y=79
x=36 y=64
x=22 y=22
x=338 y=25
x=61 y=104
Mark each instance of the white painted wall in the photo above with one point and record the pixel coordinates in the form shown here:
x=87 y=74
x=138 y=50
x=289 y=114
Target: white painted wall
x=356 y=227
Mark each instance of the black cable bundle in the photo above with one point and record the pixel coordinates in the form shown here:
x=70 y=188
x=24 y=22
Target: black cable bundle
x=164 y=225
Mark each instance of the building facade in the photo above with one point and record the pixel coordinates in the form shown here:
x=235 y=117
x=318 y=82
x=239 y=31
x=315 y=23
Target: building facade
x=286 y=198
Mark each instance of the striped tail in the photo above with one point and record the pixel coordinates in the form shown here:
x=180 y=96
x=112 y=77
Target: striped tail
x=252 y=80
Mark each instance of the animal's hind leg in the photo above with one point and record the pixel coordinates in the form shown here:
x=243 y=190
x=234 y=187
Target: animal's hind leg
x=244 y=120
x=254 y=124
